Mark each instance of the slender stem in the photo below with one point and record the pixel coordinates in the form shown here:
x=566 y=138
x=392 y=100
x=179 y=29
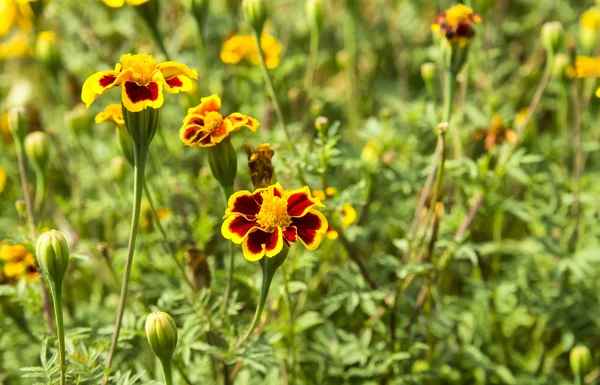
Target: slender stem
x=167 y=368
x=267 y=278
x=56 y=290
x=227 y=192
x=312 y=61
x=139 y=154
x=292 y=345
x=40 y=189
x=201 y=52
x=352 y=253
x=449 y=91
x=579 y=380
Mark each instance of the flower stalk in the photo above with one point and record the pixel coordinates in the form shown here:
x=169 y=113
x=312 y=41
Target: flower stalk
x=56 y=292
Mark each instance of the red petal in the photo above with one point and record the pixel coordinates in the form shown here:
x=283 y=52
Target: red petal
x=137 y=93
x=174 y=82
x=259 y=240
x=291 y=234
x=246 y=205
x=307 y=227
x=107 y=80
x=240 y=226
x=299 y=203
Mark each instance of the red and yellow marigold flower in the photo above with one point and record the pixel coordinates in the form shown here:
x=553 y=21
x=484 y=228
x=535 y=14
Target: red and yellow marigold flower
x=268 y=219
x=455 y=24
x=112 y=113
x=243 y=47
x=496 y=134
x=205 y=126
x=18 y=263
x=142 y=81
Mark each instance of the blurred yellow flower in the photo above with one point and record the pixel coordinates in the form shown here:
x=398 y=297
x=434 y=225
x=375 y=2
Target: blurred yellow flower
x=240 y=47
x=590 y=19
x=18 y=263
x=584 y=67
x=347 y=213
x=142 y=80
x=112 y=113
x=15 y=13
x=120 y=3
x=2 y=179
x=15 y=46
x=455 y=24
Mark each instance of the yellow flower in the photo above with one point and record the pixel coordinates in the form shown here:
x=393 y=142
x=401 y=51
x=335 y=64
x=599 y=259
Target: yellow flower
x=584 y=67
x=18 y=262
x=15 y=13
x=142 y=80
x=16 y=45
x=204 y=126
x=328 y=193
x=348 y=215
x=455 y=24
x=265 y=220
x=2 y=179
x=112 y=113
x=240 y=47
x=120 y=3
x=590 y=19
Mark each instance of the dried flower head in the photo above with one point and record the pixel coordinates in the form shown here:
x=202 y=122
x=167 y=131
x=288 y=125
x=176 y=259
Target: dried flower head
x=259 y=163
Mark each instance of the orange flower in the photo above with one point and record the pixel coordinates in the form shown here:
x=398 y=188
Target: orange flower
x=269 y=218
x=455 y=24
x=204 y=125
x=496 y=134
x=142 y=80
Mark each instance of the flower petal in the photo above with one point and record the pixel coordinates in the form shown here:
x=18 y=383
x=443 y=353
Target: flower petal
x=239 y=120
x=311 y=228
x=290 y=233
x=177 y=76
x=192 y=134
x=217 y=135
x=236 y=228
x=301 y=202
x=114 y=3
x=97 y=84
x=207 y=104
x=259 y=243
x=242 y=202
x=136 y=98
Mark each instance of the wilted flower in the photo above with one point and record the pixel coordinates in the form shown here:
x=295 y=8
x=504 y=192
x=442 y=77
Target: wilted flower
x=18 y=263
x=142 y=80
x=240 y=47
x=204 y=125
x=259 y=163
x=120 y=3
x=455 y=24
x=266 y=219
x=496 y=134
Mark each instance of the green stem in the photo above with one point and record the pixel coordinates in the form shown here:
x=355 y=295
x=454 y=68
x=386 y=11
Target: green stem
x=312 y=61
x=292 y=345
x=167 y=369
x=40 y=189
x=449 y=91
x=157 y=36
x=201 y=52
x=139 y=155
x=56 y=291
x=267 y=278
x=227 y=192
x=25 y=184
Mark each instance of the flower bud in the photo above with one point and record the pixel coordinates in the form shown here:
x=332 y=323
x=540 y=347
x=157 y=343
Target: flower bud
x=141 y=125
x=47 y=51
x=52 y=253
x=322 y=123
x=260 y=165
x=37 y=148
x=79 y=120
x=428 y=71
x=161 y=332
x=315 y=12
x=551 y=35
x=256 y=13
x=18 y=123
x=580 y=360
x=223 y=163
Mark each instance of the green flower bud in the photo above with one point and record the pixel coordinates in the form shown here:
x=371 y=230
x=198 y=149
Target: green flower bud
x=141 y=125
x=37 y=148
x=47 y=51
x=161 y=332
x=580 y=360
x=315 y=12
x=321 y=123
x=18 y=123
x=256 y=13
x=222 y=160
x=52 y=253
x=428 y=71
x=551 y=35
x=79 y=120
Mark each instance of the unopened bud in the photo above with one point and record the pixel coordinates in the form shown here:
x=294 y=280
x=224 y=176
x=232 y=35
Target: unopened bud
x=222 y=160
x=47 y=51
x=551 y=35
x=37 y=148
x=428 y=71
x=315 y=12
x=322 y=123
x=18 y=123
x=256 y=13
x=161 y=332
x=580 y=360
x=52 y=253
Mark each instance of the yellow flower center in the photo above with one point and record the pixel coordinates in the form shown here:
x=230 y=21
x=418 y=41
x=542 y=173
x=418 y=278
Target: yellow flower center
x=142 y=66
x=458 y=14
x=213 y=120
x=273 y=212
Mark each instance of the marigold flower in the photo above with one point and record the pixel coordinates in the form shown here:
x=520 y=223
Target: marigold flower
x=18 y=263
x=260 y=165
x=112 y=113
x=322 y=195
x=204 y=125
x=120 y=3
x=269 y=218
x=496 y=134
x=590 y=19
x=142 y=80
x=455 y=24
x=240 y=47
x=584 y=67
